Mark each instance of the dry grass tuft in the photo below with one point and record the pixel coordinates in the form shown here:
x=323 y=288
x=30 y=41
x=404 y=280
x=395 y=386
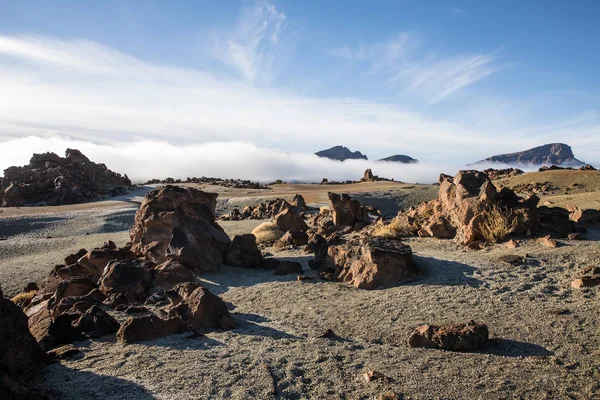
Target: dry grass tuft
x=24 y=298
x=395 y=229
x=497 y=224
x=267 y=232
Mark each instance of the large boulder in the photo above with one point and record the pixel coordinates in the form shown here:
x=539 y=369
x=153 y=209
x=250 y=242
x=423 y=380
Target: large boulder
x=243 y=252
x=202 y=309
x=127 y=276
x=347 y=212
x=299 y=203
x=178 y=224
x=290 y=219
x=148 y=327
x=372 y=262
x=465 y=336
x=72 y=287
x=21 y=358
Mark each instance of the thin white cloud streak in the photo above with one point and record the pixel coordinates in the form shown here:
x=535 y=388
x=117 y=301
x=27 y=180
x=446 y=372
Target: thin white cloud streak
x=148 y=159
x=433 y=77
x=89 y=92
x=251 y=48
x=440 y=79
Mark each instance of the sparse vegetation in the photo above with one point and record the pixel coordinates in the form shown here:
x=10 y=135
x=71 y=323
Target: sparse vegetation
x=24 y=298
x=267 y=232
x=399 y=227
x=497 y=224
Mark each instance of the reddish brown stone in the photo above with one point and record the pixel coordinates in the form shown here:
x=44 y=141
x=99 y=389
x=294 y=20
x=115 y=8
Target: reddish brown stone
x=466 y=336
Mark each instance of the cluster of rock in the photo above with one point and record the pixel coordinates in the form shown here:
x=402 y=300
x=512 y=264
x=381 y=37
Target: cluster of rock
x=232 y=183
x=265 y=210
x=586 y=167
x=588 y=277
x=369 y=177
x=542 y=188
x=466 y=202
x=495 y=174
x=51 y=179
x=147 y=289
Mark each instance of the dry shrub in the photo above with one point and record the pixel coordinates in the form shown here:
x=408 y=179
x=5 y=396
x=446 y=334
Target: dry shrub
x=399 y=227
x=324 y=211
x=24 y=298
x=496 y=224
x=267 y=232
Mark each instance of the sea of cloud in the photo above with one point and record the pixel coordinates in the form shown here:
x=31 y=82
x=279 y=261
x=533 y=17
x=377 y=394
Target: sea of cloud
x=147 y=159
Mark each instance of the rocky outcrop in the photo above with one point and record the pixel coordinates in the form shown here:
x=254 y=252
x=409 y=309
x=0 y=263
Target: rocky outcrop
x=469 y=206
x=50 y=179
x=232 y=183
x=369 y=177
x=341 y=153
x=178 y=224
x=461 y=337
x=347 y=213
x=548 y=154
x=495 y=174
x=371 y=262
x=21 y=358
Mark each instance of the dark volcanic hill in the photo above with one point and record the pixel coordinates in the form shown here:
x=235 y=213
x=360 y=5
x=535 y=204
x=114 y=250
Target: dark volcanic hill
x=548 y=154
x=401 y=158
x=51 y=179
x=341 y=153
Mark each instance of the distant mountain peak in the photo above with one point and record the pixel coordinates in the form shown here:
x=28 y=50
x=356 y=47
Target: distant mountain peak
x=548 y=154
x=401 y=158
x=341 y=153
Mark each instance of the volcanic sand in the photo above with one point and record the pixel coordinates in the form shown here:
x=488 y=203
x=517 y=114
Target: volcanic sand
x=545 y=341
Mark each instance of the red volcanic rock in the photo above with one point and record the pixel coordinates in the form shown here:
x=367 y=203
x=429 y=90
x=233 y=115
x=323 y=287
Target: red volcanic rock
x=171 y=273
x=243 y=252
x=202 y=309
x=148 y=327
x=21 y=358
x=466 y=336
x=127 y=276
x=289 y=219
x=372 y=262
x=178 y=224
x=347 y=212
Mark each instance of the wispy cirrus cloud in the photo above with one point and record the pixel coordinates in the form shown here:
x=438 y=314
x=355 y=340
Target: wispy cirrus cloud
x=458 y=11
x=252 y=46
x=401 y=61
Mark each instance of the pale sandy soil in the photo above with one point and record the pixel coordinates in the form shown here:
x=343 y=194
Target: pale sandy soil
x=545 y=335
x=586 y=196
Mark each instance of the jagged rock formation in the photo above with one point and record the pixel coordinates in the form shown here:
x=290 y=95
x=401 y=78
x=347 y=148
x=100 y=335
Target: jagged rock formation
x=548 y=154
x=50 y=179
x=470 y=208
x=369 y=177
x=341 y=153
x=178 y=224
x=495 y=174
x=400 y=158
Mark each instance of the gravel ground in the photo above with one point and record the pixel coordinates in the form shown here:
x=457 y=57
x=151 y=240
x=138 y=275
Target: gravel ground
x=545 y=341
x=544 y=345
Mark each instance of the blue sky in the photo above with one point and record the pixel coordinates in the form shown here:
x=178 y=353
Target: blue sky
x=438 y=80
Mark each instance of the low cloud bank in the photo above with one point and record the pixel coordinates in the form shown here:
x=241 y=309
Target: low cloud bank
x=146 y=159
